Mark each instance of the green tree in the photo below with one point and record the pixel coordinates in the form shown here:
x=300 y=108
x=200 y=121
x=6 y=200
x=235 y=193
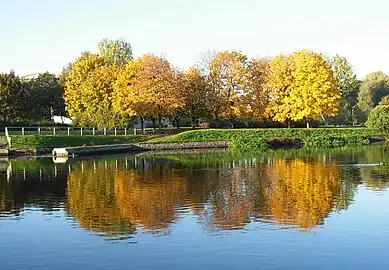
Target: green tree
x=373 y=88
x=13 y=101
x=116 y=52
x=379 y=118
x=45 y=95
x=348 y=87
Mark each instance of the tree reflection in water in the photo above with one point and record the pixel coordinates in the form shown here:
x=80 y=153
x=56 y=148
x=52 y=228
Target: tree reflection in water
x=147 y=194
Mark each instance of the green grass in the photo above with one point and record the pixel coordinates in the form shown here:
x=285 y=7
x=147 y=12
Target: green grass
x=52 y=141
x=259 y=139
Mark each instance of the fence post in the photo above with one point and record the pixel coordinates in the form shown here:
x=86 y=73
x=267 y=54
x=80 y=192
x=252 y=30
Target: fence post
x=93 y=131
x=54 y=130
x=22 y=131
x=125 y=131
x=115 y=132
x=8 y=137
x=81 y=131
x=105 y=131
x=39 y=130
x=68 y=130
x=135 y=131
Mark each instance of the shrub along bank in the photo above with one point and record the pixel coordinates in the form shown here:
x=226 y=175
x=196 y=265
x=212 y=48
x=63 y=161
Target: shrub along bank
x=254 y=139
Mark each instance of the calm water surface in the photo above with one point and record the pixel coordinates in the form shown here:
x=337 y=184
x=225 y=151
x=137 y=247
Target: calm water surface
x=327 y=209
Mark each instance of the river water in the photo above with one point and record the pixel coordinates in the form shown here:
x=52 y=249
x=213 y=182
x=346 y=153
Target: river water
x=325 y=209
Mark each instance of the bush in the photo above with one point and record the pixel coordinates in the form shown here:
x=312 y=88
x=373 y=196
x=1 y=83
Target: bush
x=379 y=118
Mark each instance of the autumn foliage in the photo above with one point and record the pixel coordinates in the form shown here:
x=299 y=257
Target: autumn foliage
x=105 y=92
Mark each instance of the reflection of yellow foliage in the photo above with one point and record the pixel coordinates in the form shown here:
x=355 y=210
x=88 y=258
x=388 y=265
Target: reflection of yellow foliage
x=149 y=198
x=91 y=200
x=293 y=192
x=105 y=201
x=303 y=193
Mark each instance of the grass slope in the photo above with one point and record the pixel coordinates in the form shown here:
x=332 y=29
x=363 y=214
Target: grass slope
x=51 y=141
x=254 y=139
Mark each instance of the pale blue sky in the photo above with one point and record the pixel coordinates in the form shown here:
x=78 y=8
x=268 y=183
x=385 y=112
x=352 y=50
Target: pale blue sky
x=44 y=35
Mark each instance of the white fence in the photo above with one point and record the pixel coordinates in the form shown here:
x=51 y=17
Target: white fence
x=9 y=131
x=12 y=131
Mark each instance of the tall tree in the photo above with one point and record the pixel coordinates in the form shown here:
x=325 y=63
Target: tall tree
x=79 y=73
x=307 y=86
x=148 y=87
x=13 y=101
x=228 y=72
x=46 y=97
x=279 y=83
x=196 y=94
x=256 y=93
x=97 y=91
x=116 y=52
x=348 y=86
x=373 y=88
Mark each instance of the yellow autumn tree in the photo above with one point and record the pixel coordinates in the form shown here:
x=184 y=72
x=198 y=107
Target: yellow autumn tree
x=80 y=71
x=97 y=91
x=303 y=87
x=228 y=74
x=148 y=87
x=279 y=84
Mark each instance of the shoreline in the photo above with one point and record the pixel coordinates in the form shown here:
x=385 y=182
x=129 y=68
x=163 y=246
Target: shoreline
x=275 y=144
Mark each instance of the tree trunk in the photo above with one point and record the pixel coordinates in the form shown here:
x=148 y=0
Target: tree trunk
x=232 y=123
x=177 y=119
x=288 y=124
x=142 y=124
x=192 y=122
x=154 y=124
x=307 y=124
x=159 y=123
x=324 y=120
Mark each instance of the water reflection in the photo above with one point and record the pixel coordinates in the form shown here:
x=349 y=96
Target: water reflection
x=118 y=197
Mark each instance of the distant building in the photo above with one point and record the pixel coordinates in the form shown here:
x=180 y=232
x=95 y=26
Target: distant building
x=62 y=120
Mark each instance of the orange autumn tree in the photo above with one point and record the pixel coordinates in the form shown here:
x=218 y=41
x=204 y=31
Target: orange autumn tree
x=228 y=74
x=148 y=87
x=256 y=93
x=196 y=93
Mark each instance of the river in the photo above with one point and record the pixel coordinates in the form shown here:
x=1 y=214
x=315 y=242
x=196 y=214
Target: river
x=296 y=209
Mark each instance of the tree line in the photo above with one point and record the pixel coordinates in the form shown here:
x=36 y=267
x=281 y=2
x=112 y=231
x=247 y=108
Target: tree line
x=112 y=89
x=30 y=100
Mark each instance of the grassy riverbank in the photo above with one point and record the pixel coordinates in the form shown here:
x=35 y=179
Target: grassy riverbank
x=51 y=141
x=238 y=139
x=254 y=139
